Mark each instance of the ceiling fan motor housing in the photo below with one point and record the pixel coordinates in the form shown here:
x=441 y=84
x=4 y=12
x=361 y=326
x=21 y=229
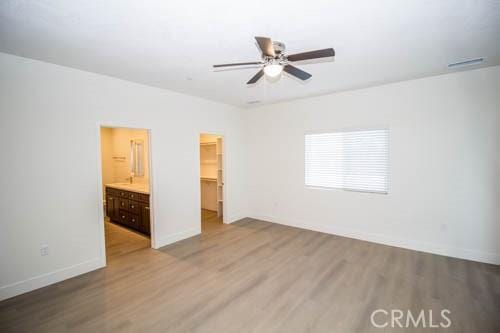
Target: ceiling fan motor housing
x=279 y=58
x=279 y=47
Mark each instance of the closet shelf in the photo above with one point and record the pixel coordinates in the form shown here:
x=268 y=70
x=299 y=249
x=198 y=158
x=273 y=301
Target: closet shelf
x=207 y=179
x=211 y=164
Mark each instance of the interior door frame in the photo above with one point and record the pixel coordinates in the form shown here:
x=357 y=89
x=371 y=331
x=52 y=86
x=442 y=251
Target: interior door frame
x=100 y=192
x=225 y=219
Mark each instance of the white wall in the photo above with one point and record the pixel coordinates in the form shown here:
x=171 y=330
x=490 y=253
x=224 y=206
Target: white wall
x=49 y=129
x=444 y=194
x=444 y=165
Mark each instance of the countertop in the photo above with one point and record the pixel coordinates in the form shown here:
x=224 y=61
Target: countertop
x=134 y=187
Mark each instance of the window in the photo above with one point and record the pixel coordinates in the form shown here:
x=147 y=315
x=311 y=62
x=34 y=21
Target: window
x=357 y=160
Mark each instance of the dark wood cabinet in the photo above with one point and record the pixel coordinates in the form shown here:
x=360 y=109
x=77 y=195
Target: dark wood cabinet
x=128 y=208
x=145 y=222
x=112 y=208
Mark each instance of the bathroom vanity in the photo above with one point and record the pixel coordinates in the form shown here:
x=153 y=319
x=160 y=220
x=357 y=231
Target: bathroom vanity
x=128 y=205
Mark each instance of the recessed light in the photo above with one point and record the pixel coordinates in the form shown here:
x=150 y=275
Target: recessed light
x=253 y=102
x=466 y=63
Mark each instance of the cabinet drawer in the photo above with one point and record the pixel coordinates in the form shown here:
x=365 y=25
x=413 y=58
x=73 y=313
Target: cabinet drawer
x=129 y=206
x=111 y=191
x=134 y=207
x=133 y=221
x=133 y=195
x=129 y=220
x=123 y=217
x=144 y=197
x=122 y=194
x=123 y=203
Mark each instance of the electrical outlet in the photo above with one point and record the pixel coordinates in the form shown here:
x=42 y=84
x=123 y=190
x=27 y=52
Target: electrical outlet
x=44 y=250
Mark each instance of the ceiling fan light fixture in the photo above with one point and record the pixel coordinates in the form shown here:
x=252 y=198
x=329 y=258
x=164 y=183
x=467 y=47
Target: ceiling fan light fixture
x=273 y=70
x=274 y=60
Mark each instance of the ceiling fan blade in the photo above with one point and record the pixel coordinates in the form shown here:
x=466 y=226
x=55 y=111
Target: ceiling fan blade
x=256 y=77
x=239 y=64
x=324 y=53
x=299 y=73
x=266 y=46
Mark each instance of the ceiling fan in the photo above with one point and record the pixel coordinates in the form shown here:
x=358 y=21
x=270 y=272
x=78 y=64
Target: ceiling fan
x=274 y=60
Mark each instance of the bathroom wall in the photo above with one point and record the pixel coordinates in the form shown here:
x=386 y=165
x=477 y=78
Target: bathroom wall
x=116 y=158
x=106 y=156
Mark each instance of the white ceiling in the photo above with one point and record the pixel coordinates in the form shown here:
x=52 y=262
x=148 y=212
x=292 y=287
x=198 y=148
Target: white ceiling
x=172 y=44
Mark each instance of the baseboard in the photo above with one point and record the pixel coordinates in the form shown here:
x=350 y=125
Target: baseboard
x=235 y=218
x=455 y=252
x=46 y=279
x=178 y=236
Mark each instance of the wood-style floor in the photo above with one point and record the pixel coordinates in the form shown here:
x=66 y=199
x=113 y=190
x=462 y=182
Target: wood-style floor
x=121 y=241
x=210 y=221
x=256 y=276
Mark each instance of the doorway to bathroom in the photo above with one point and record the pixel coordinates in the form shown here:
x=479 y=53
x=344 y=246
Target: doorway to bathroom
x=212 y=190
x=126 y=195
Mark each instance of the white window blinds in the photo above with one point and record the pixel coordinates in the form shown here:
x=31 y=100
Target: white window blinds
x=357 y=160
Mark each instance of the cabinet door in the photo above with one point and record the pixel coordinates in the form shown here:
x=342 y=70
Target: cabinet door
x=123 y=217
x=109 y=206
x=112 y=208
x=145 y=220
x=129 y=220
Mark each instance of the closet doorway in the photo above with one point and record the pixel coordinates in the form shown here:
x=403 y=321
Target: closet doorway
x=211 y=181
